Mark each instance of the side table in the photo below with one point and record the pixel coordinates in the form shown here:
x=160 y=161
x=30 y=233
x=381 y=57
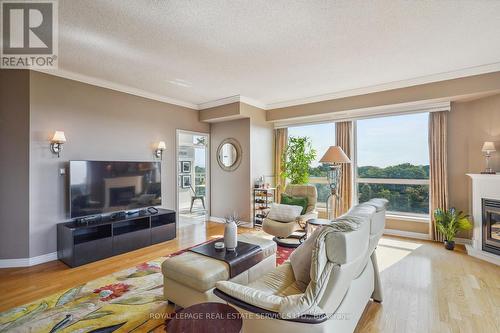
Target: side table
x=313 y=224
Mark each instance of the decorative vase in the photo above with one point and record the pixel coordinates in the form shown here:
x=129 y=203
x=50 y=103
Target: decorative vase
x=449 y=245
x=231 y=235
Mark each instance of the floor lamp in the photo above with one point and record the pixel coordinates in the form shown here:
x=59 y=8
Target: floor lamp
x=334 y=157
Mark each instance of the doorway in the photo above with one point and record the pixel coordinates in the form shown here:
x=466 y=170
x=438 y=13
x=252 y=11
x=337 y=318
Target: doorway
x=193 y=177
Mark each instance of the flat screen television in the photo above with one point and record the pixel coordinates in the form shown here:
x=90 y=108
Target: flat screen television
x=99 y=187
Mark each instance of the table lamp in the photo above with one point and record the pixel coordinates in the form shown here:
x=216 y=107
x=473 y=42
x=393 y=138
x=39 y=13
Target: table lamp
x=488 y=148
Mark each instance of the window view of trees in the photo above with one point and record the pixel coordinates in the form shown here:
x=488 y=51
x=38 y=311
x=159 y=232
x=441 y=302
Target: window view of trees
x=400 y=171
x=322 y=136
x=393 y=162
x=402 y=197
x=319 y=173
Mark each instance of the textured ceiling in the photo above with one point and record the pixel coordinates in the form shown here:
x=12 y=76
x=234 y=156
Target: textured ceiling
x=272 y=51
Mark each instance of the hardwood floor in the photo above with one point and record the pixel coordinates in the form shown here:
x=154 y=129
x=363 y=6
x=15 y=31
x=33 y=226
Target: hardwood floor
x=19 y=286
x=430 y=289
x=426 y=288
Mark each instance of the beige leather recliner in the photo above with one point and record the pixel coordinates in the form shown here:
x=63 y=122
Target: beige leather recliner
x=285 y=229
x=344 y=276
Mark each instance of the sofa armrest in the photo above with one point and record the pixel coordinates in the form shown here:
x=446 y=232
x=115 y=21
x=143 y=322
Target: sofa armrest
x=250 y=295
x=263 y=313
x=302 y=219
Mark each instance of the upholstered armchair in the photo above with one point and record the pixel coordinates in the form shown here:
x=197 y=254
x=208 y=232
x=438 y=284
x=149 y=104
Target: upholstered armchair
x=283 y=230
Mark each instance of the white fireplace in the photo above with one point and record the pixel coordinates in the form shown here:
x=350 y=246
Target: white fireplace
x=483 y=187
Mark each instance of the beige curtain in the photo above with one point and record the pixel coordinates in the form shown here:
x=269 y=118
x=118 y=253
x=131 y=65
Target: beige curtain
x=343 y=138
x=438 y=167
x=280 y=140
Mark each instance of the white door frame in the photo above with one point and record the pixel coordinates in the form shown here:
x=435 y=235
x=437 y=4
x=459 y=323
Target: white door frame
x=207 y=178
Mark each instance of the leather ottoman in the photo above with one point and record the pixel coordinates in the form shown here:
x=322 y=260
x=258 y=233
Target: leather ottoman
x=190 y=278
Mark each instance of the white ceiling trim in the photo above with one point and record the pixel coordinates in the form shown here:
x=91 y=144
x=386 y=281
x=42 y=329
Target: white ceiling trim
x=218 y=102
x=364 y=113
x=489 y=68
x=470 y=71
x=253 y=102
x=117 y=87
x=229 y=100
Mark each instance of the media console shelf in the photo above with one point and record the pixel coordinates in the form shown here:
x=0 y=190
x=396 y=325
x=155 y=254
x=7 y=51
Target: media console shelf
x=82 y=243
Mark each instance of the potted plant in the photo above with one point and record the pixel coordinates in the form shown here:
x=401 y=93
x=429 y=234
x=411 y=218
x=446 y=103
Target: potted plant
x=449 y=223
x=296 y=159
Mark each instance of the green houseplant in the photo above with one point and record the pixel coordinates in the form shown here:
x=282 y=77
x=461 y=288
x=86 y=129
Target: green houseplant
x=449 y=223
x=296 y=159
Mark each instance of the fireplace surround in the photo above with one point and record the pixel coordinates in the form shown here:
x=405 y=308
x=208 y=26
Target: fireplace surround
x=491 y=226
x=485 y=213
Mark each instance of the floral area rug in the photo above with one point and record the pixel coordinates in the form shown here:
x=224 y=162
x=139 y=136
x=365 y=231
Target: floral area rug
x=119 y=302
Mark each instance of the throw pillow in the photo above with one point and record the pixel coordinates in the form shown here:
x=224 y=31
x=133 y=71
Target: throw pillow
x=300 y=259
x=284 y=213
x=295 y=201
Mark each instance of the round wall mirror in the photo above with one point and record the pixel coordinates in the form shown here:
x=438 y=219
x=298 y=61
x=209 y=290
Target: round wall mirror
x=229 y=154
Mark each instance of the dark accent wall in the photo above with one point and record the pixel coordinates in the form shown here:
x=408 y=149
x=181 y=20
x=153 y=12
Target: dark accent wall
x=14 y=163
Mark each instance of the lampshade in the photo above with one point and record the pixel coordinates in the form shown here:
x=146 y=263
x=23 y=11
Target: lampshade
x=162 y=145
x=488 y=147
x=335 y=154
x=59 y=137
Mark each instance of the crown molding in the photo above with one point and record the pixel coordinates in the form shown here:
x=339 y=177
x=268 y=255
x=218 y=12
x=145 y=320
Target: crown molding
x=253 y=102
x=470 y=71
x=219 y=102
x=116 y=86
x=229 y=100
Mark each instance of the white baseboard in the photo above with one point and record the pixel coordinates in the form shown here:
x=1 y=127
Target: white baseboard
x=486 y=256
x=418 y=235
x=26 y=262
x=408 y=234
x=463 y=241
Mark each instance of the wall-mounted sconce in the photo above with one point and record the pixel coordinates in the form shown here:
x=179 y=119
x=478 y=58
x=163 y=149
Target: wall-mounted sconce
x=159 y=149
x=57 y=141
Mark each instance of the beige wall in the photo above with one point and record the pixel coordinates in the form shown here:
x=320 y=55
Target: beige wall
x=261 y=144
x=14 y=164
x=220 y=113
x=395 y=224
x=470 y=124
x=230 y=190
x=100 y=124
x=108 y=125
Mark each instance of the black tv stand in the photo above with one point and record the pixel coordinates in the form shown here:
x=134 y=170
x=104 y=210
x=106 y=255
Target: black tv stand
x=84 y=241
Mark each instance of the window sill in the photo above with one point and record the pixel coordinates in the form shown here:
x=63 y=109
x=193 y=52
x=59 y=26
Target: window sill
x=392 y=215
x=409 y=218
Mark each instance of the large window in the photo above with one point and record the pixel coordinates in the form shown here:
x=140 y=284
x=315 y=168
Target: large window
x=393 y=162
x=322 y=136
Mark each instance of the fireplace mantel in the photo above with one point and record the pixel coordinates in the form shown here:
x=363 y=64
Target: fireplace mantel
x=483 y=187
